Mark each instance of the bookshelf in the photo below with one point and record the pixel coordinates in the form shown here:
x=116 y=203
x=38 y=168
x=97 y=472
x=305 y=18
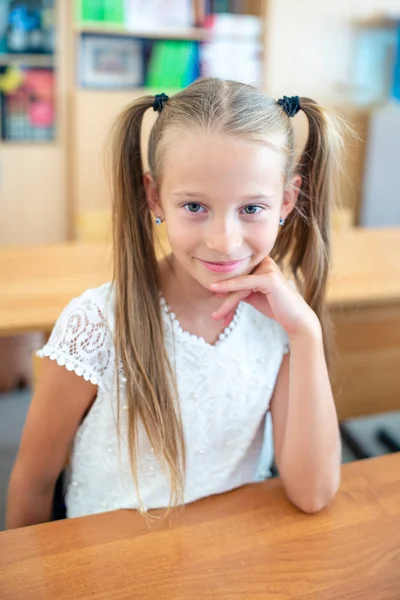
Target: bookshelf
x=93 y=111
x=28 y=60
x=33 y=168
x=190 y=33
x=46 y=186
x=377 y=22
x=376 y=61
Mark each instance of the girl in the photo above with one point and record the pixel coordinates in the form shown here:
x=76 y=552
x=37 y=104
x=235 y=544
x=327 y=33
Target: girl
x=161 y=380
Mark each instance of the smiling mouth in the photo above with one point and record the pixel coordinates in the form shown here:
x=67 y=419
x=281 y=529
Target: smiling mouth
x=222 y=267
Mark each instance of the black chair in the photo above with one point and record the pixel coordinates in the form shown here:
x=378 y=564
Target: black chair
x=59 y=510
x=359 y=449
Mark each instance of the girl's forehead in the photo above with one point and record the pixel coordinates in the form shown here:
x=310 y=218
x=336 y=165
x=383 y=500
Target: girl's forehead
x=220 y=159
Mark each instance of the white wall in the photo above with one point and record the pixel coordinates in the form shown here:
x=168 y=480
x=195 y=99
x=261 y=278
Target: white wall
x=309 y=45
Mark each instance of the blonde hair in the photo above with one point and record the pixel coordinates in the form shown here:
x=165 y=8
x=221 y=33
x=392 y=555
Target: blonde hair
x=303 y=244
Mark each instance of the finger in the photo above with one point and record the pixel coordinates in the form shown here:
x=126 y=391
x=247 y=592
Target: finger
x=267 y=264
x=230 y=304
x=228 y=319
x=253 y=283
x=260 y=303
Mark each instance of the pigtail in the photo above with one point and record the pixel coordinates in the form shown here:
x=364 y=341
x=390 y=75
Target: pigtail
x=304 y=243
x=139 y=339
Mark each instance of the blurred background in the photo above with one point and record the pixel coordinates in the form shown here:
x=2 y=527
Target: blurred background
x=67 y=68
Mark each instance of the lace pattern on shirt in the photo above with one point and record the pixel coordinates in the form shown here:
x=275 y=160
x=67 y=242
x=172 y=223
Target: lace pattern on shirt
x=82 y=341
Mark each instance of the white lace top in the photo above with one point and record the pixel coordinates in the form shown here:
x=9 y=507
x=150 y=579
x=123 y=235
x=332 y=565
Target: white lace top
x=224 y=392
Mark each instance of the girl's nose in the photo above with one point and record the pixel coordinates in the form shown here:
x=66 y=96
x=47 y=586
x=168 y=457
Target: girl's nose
x=224 y=239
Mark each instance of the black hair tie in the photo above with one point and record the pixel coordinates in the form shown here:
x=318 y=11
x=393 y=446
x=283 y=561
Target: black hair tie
x=290 y=106
x=160 y=100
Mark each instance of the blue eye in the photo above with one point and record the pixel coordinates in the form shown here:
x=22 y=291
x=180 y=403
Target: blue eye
x=252 y=209
x=193 y=207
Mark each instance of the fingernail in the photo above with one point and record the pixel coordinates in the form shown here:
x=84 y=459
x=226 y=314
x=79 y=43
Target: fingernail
x=214 y=285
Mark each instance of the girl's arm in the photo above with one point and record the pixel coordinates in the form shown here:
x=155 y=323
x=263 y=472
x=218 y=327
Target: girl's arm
x=57 y=408
x=306 y=431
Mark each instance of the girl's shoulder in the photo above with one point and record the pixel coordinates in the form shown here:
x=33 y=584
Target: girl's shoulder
x=82 y=337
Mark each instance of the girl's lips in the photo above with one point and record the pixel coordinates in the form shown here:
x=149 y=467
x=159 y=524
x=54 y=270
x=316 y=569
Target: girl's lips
x=222 y=267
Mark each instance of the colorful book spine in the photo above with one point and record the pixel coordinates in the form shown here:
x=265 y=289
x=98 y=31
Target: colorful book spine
x=113 y=12
x=173 y=64
x=396 y=69
x=90 y=10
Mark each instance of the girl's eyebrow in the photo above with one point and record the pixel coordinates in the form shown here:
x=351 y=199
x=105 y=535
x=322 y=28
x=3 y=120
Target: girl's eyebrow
x=189 y=194
x=252 y=198
x=249 y=198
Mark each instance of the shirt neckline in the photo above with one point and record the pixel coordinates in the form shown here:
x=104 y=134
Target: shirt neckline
x=223 y=336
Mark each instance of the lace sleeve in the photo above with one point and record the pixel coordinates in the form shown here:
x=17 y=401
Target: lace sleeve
x=81 y=339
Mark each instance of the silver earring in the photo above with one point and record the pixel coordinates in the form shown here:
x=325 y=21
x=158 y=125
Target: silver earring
x=281 y=222
x=158 y=220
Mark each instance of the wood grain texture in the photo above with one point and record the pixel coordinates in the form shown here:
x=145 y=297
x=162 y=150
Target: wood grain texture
x=364 y=298
x=248 y=544
x=36 y=283
x=366 y=268
x=366 y=359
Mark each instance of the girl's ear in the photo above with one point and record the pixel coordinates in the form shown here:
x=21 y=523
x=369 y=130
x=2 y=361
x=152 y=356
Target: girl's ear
x=153 y=199
x=290 y=196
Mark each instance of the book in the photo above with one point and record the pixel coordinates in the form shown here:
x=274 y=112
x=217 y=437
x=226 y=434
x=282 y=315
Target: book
x=172 y=64
x=221 y=6
x=395 y=92
x=233 y=48
x=90 y=10
x=27 y=110
x=114 y=13
x=158 y=15
x=372 y=71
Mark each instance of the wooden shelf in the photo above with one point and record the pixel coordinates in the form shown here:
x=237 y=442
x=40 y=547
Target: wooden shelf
x=192 y=33
x=27 y=144
x=29 y=60
x=378 y=22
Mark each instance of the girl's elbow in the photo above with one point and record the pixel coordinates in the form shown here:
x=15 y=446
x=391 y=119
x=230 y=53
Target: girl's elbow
x=312 y=505
x=317 y=501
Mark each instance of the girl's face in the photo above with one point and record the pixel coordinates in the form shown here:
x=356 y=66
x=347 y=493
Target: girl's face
x=221 y=198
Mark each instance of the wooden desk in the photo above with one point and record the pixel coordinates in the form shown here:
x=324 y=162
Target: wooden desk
x=37 y=282
x=248 y=544
x=366 y=268
x=364 y=296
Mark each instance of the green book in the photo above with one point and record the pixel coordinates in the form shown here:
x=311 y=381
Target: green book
x=183 y=62
x=114 y=12
x=172 y=72
x=153 y=77
x=169 y=64
x=90 y=10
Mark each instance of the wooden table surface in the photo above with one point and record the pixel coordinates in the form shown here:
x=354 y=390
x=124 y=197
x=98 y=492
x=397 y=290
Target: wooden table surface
x=37 y=282
x=248 y=544
x=366 y=268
